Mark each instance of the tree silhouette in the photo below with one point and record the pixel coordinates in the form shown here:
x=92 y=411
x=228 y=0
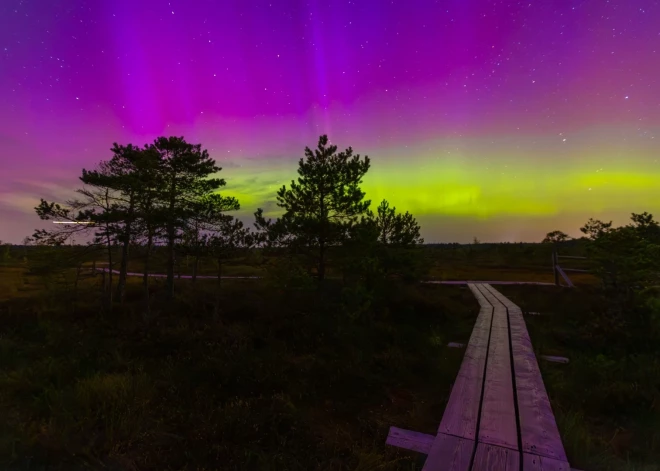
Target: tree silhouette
x=626 y=261
x=91 y=212
x=646 y=227
x=59 y=235
x=555 y=236
x=396 y=228
x=186 y=169
x=382 y=245
x=98 y=207
x=325 y=199
x=126 y=175
x=595 y=228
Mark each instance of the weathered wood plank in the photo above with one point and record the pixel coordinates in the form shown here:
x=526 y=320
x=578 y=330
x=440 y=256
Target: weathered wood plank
x=410 y=440
x=498 y=413
x=538 y=428
x=555 y=359
x=455 y=345
x=479 y=294
x=461 y=413
x=495 y=282
x=449 y=453
x=495 y=458
x=542 y=463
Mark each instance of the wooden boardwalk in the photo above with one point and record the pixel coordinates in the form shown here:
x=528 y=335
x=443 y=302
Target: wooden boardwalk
x=498 y=416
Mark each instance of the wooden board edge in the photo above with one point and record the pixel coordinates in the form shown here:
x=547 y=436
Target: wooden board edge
x=449 y=453
x=533 y=462
x=416 y=441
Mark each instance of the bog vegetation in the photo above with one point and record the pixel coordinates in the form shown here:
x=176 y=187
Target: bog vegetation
x=294 y=343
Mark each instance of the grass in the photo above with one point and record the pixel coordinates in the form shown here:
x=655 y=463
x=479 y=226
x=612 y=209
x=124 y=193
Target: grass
x=281 y=382
x=607 y=398
x=295 y=379
x=16 y=283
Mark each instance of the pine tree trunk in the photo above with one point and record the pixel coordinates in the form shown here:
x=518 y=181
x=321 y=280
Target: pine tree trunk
x=145 y=269
x=75 y=288
x=145 y=278
x=109 y=287
x=102 y=289
x=216 y=311
x=170 y=263
x=321 y=274
x=195 y=266
x=123 y=268
x=171 y=235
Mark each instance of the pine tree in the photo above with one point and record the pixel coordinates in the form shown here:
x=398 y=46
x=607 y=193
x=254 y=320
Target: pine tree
x=325 y=200
x=126 y=175
x=186 y=169
x=396 y=228
x=555 y=236
x=383 y=244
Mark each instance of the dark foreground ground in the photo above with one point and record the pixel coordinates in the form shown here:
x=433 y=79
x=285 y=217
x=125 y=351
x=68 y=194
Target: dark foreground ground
x=292 y=379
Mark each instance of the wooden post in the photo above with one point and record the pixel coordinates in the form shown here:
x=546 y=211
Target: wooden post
x=554 y=265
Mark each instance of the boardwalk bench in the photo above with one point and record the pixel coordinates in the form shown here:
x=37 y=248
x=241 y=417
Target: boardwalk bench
x=498 y=416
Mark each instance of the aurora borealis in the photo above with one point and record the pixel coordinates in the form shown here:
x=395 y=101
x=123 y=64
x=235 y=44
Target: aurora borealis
x=495 y=119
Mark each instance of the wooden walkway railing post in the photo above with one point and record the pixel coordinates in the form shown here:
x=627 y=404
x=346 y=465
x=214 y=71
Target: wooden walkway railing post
x=554 y=264
x=558 y=270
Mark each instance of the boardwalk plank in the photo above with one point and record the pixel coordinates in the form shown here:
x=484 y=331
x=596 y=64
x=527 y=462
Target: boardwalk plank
x=555 y=359
x=410 y=440
x=460 y=416
x=495 y=458
x=542 y=463
x=498 y=413
x=467 y=282
x=449 y=453
x=455 y=345
x=538 y=428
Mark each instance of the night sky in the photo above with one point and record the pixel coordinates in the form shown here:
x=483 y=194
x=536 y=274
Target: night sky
x=496 y=119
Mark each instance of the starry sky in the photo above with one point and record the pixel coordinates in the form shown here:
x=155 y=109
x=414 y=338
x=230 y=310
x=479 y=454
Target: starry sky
x=497 y=119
